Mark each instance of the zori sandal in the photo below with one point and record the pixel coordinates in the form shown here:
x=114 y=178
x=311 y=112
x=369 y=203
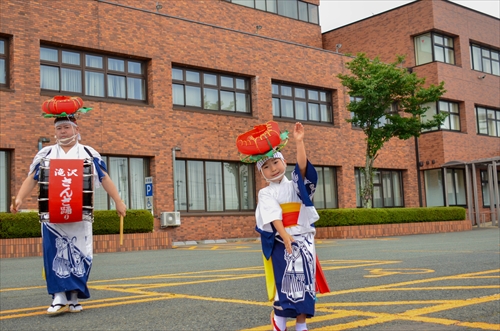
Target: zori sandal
x=57 y=309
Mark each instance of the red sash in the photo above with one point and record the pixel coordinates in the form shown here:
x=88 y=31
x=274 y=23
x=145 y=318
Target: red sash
x=65 y=190
x=290 y=213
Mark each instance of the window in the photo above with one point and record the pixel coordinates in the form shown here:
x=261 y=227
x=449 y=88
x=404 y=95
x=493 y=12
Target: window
x=387 y=188
x=488 y=121
x=485 y=188
x=302 y=103
x=434 y=187
x=213 y=186
x=485 y=59
x=4 y=181
x=451 y=109
x=197 y=89
x=128 y=175
x=455 y=181
x=92 y=75
x=4 y=63
x=325 y=196
x=432 y=47
x=295 y=9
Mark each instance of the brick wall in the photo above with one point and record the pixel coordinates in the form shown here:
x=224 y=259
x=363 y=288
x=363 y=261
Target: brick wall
x=386 y=230
x=23 y=247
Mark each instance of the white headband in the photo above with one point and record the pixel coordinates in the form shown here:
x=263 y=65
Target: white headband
x=56 y=124
x=276 y=155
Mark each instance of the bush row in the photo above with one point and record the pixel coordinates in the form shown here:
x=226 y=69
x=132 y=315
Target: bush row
x=363 y=216
x=26 y=225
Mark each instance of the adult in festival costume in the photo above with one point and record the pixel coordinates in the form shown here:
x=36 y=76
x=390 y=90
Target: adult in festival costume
x=67 y=247
x=285 y=216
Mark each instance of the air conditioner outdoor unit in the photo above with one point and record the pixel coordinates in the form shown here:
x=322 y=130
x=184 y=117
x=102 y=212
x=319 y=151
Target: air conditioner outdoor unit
x=170 y=219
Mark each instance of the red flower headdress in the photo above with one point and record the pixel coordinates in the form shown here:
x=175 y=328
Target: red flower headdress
x=63 y=106
x=261 y=142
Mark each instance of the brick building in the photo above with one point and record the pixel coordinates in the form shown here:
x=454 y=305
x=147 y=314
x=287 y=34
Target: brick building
x=443 y=41
x=173 y=83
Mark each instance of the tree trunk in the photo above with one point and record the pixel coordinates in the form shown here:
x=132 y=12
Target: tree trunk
x=367 y=192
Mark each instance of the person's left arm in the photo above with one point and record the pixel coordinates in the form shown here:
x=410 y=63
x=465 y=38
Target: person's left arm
x=298 y=135
x=110 y=188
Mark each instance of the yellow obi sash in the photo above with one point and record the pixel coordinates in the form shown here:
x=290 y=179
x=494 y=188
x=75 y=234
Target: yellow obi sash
x=290 y=212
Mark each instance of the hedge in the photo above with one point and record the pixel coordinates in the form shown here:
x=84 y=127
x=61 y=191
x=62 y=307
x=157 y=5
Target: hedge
x=363 y=216
x=27 y=225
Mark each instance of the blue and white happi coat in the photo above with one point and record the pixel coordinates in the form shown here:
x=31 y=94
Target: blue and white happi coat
x=292 y=276
x=67 y=247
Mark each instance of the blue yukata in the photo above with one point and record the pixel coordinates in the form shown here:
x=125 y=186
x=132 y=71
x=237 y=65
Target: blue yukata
x=67 y=247
x=290 y=278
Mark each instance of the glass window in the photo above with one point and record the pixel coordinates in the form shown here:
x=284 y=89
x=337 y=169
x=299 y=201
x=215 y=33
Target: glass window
x=4 y=182
x=432 y=46
x=128 y=175
x=93 y=75
x=301 y=103
x=434 y=188
x=387 y=188
x=451 y=109
x=295 y=9
x=488 y=121
x=485 y=187
x=455 y=181
x=288 y=8
x=212 y=186
x=485 y=59
x=218 y=92
x=325 y=196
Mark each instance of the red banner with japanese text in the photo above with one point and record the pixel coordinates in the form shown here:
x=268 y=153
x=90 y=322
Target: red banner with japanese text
x=65 y=190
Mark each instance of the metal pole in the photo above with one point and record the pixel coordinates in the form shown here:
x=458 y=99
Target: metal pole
x=174 y=183
x=496 y=194
x=469 y=194
x=475 y=195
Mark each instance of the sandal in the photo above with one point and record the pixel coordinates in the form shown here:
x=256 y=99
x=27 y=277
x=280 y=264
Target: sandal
x=57 y=309
x=75 y=308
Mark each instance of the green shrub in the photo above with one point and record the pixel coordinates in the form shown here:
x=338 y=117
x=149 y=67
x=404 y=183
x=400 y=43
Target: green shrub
x=363 y=216
x=26 y=225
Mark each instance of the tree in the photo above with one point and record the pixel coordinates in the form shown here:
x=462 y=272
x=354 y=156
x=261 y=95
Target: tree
x=377 y=86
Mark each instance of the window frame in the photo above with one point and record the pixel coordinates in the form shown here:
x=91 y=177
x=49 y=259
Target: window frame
x=483 y=175
x=184 y=182
x=307 y=100
x=5 y=57
x=453 y=172
x=321 y=171
x=450 y=115
x=129 y=187
x=359 y=179
x=5 y=158
x=495 y=121
x=265 y=5
x=482 y=58
x=202 y=85
x=434 y=44
x=83 y=69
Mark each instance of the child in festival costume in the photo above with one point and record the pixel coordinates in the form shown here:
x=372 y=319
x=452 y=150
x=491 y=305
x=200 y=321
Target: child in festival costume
x=67 y=247
x=285 y=216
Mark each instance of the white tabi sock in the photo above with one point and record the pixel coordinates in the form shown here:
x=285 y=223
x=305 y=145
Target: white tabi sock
x=280 y=322
x=74 y=297
x=300 y=327
x=60 y=297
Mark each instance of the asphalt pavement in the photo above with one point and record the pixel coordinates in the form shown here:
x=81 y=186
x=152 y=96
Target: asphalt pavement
x=446 y=281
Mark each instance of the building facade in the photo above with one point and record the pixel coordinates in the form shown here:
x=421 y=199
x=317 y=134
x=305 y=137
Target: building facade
x=172 y=84
x=443 y=41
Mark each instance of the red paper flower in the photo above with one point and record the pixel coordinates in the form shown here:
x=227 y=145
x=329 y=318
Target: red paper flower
x=62 y=104
x=260 y=140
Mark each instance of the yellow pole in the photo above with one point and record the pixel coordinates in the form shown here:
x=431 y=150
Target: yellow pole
x=121 y=230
